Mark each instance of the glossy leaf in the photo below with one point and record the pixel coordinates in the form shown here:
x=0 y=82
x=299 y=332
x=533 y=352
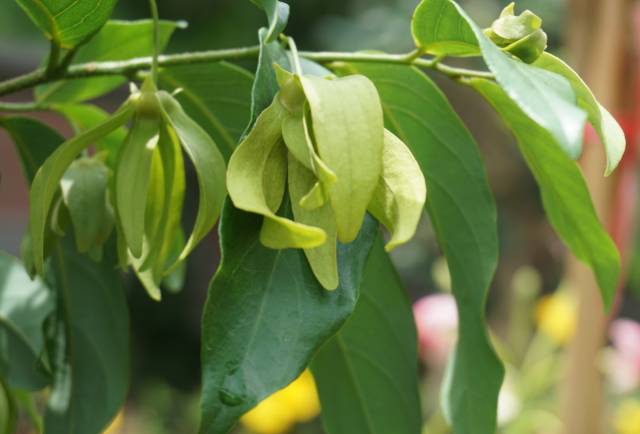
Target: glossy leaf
x=322 y=259
x=401 y=192
x=117 y=40
x=610 y=132
x=544 y=96
x=215 y=95
x=463 y=215
x=209 y=166
x=367 y=374
x=265 y=316
x=89 y=347
x=24 y=306
x=348 y=131
x=47 y=179
x=68 y=23
x=564 y=192
x=245 y=181
x=84 y=192
x=132 y=179
x=277 y=15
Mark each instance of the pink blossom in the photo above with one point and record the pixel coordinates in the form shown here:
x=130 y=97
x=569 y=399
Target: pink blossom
x=436 y=319
x=624 y=362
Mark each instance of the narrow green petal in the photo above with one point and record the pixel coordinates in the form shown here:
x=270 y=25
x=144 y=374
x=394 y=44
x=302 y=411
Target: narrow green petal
x=314 y=198
x=322 y=259
x=401 y=192
x=348 y=131
x=246 y=177
x=47 y=179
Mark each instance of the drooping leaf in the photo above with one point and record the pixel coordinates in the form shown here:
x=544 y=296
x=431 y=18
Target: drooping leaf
x=84 y=192
x=47 y=179
x=68 y=22
x=117 y=40
x=564 y=192
x=367 y=374
x=400 y=195
x=209 y=166
x=132 y=179
x=86 y=116
x=463 y=214
x=246 y=183
x=545 y=97
x=265 y=316
x=348 y=131
x=610 y=132
x=89 y=344
x=322 y=259
x=277 y=15
x=24 y=306
x=216 y=96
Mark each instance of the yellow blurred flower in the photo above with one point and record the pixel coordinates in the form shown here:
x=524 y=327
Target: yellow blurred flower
x=116 y=424
x=627 y=418
x=556 y=316
x=277 y=414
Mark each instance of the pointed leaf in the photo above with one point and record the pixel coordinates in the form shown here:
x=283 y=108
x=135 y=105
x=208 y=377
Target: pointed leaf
x=463 y=214
x=216 y=96
x=24 y=306
x=265 y=317
x=277 y=14
x=68 y=22
x=209 y=166
x=399 y=197
x=367 y=374
x=47 y=179
x=117 y=40
x=545 y=97
x=245 y=181
x=348 y=131
x=564 y=192
x=610 y=132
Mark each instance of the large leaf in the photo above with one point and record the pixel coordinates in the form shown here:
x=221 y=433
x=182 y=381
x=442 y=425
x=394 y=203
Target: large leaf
x=277 y=15
x=564 y=192
x=463 y=214
x=610 y=132
x=90 y=346
x=24 y=305
x=117 y=40
x=544 y=96
x=367 y=374
x=68 y=22
x=216 y=95
x=266 y=315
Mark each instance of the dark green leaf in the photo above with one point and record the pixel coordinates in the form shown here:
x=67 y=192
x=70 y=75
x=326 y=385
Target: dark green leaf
x=24 y=305
x=216 y=96
x=463 y=214
x=564 y=192
x=277 y=15
x=367 y=374
x=8 y=416
x=68 y=22
x=117 y=40
x=545 y=97
x=266 y=315
x=89 y=349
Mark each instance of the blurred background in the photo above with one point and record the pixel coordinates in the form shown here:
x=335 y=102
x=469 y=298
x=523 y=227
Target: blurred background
x=570 y=369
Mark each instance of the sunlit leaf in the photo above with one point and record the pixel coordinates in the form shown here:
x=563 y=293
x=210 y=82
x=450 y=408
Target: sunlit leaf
x=564 y=192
